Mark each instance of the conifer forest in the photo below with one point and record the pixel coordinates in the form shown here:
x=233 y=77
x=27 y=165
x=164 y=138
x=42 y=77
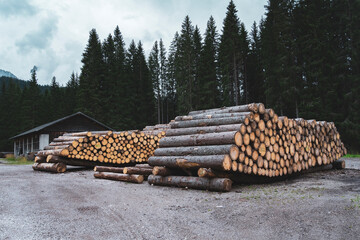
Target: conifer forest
x=302 y=59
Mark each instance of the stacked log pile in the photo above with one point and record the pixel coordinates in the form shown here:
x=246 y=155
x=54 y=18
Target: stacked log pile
x=136 y=174
x=90 y=149
x=233 y=142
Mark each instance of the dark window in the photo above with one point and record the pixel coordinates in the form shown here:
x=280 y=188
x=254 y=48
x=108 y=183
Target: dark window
x=36 y=143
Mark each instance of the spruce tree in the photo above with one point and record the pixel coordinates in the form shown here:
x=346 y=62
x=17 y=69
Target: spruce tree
x=91 y=78
x=121 y=79
x=197 y=56
x=163 y=78
x=208 y=77
x=170 y=84
x=154 y=70
x=229 y=54
x=185 y=69
x=71 y=94
x=255 y=79
x=109 y=87
x=55 y=105
x=145 y=95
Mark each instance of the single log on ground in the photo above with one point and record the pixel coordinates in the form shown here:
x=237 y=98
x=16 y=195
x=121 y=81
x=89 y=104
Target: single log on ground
x=108 y=169
x=50 y=167
x=210 y=122
x=137 y=170
x=69 y=161
x=194 y=150
x=201 y=139
x=39 y=159
x=212 y=184
x=164 y=171
x=211 y=173
x=220 y=162
x=339 y=164
x=120 y=177
x=57 y=152
x=203 y=130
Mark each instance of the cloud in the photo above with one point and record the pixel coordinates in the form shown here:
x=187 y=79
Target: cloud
x=53 y=34
x=39 y=38
x=16 y=7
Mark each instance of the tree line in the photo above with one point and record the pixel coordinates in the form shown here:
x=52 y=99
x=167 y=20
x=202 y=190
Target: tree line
x=301 y=59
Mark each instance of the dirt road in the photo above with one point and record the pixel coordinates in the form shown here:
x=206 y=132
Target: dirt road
x=75 y=205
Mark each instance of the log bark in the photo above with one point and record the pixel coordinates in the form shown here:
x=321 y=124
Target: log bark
x=67 y=161
x=120 y=177
x=50 y=167
x=164 y=171
x=211 y=173
x=220 y=162
x=108 y=169
x=137 y=170
x=56 y=147
x=203 y=130
x=214 y=184
x=194 y=150
x=201 y=139
x=56 y=152
x=211 y=122
x=39 y=159
x=213 y=115
x=78 y=134
x=241 y=108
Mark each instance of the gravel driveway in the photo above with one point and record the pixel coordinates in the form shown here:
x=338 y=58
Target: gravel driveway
x=75 y=205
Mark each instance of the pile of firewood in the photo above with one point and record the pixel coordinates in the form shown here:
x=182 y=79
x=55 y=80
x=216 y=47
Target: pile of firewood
x=135 y=174
x=98 y=148
x=209 y=148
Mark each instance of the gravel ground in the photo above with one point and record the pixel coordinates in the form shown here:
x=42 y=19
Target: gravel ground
x=75 y=205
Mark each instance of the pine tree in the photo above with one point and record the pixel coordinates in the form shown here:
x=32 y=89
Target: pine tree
x=31 y=102
x=71 y=94
x=170 y=84
x=229 y=54
x=163 y=78
x=154 y=69
x=91 y=78
x=197 y=56
x=185 y=70
x=55 y=104
x=208 y=77
x=255 y=79
x=120 y=108
x=130 y=120
x=109 y=87
x=146 y=104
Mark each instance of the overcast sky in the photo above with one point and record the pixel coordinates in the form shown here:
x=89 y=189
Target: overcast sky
x=52 y=34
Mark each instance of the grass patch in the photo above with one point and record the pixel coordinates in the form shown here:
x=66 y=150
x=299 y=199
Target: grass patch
x=18 y=161
x=352 y=156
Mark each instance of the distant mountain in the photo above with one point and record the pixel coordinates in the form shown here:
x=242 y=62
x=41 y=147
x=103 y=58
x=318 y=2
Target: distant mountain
x=4 y=73
x=19 y=82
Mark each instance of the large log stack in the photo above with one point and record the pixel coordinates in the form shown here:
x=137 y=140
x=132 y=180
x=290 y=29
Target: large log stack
x=101 y=148
x=233 y=142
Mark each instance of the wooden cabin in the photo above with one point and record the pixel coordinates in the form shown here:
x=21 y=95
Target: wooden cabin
x=37 y=138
